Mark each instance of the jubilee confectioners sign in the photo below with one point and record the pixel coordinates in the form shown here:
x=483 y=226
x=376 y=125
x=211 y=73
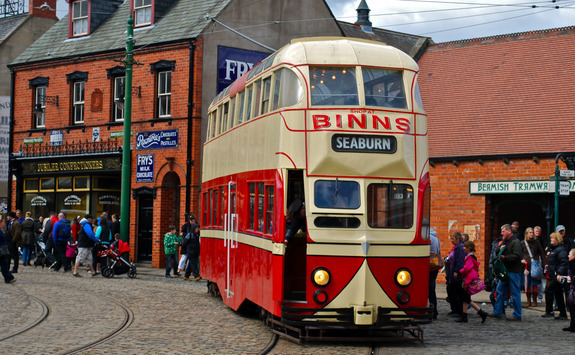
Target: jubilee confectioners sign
x=514 y=187
x=72 y=166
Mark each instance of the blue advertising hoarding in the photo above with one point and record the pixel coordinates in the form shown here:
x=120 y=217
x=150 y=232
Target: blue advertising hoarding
x=157 y=139
x=145 y=168
x=234 y=62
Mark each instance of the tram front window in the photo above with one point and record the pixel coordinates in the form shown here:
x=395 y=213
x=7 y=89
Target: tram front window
x=336 y=194
x=384 y=88
x=390 y=206
x=333 y=86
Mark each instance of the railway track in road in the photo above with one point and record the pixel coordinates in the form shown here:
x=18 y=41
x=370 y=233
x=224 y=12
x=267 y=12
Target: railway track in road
x=43 y=316
x=127 y=321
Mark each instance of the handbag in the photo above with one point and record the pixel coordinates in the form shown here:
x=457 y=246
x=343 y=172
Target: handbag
x=570 y=300
x=499 y=269
x=475 y=286
x=435 y=262
x=490 y=284
x=4 y=250
x=536 y=269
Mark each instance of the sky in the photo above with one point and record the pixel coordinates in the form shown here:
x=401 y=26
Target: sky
x=451 y=20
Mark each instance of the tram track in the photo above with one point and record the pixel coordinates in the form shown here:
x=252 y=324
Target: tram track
x=46 y=311
x=128 y=319
x=273 y=342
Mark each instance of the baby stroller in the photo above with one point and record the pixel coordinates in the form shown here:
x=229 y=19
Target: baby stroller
x=116 y=264
x=43 y=257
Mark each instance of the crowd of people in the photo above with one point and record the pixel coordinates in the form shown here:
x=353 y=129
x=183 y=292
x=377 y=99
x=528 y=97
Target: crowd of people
x=517 y=263
x=54 y=241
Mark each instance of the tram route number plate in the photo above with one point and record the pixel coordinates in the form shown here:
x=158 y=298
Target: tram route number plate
x=363 y=143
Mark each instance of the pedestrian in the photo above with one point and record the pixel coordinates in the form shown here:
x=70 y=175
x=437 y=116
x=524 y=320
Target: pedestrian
x=28 y=238
x=115 y=228
x=470 y=272
x=516 y=232
x=511 y=253
x=571 y=279
x=20 y=216
x=86 y=240
x=104 y=235
x=453 y=276
x=193 y=253
x=567 y=242
x=13 y=239
x=557 y=265
x=492 y=256
x=171 y=243
x=47 y=232
x=186 y=228
x=531 y=249
x=435 y=252
x=465 y=237
x=5 y=255
x=61 y=233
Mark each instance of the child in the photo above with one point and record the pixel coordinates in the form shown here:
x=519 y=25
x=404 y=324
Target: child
x=171 y=243
x=470 y=272
x=193 y=253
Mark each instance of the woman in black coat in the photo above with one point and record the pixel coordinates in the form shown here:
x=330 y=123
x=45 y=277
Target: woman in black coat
x=557 y=265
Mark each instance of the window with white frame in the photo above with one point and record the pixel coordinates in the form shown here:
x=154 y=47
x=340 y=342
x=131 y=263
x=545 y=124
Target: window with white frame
x=164 y=93
x=142 y=12
x=119 y=88
x=40 y=107
x=78 y=102
x=80 y=18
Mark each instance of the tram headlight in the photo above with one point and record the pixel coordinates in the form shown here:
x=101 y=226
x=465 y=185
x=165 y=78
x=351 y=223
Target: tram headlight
x=320 y=277
x=403 y=277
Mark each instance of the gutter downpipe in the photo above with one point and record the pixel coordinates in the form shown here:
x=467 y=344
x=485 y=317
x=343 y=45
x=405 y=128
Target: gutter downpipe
x=191 y=107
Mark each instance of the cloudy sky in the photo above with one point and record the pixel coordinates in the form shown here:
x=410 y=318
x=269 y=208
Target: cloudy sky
x=450 y=20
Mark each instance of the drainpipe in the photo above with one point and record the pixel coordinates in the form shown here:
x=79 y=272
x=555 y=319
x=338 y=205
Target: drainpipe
x=11 y=139
x=191 y=106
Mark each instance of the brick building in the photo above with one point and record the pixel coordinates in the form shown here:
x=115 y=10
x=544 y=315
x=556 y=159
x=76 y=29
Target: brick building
x=499 y=114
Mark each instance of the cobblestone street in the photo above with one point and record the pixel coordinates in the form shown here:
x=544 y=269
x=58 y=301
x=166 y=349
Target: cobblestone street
x=171 y=316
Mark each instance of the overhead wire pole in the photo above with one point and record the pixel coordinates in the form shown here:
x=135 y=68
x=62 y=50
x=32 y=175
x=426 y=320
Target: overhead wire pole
x=128 y=62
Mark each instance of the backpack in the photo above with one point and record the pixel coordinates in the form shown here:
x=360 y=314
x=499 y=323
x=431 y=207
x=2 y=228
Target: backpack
x=65 y=231
x=499 y=269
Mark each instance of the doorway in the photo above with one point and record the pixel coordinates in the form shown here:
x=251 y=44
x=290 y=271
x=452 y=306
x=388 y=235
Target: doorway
x=145 y=228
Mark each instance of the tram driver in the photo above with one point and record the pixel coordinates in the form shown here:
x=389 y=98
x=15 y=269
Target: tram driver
x=295 y=220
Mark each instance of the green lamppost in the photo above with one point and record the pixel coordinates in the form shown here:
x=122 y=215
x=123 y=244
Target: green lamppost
x=126 y=152
x=556 y=191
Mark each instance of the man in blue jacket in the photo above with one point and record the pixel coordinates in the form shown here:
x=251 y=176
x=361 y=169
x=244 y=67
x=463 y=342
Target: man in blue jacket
x=86 y=240
x=61 y=232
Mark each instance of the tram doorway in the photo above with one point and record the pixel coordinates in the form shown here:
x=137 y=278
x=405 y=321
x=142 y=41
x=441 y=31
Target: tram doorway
x=145 y=228
x=295 y=256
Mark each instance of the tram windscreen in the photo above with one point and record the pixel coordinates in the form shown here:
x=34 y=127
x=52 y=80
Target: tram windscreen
x=390 y=206
x=336 y=194
x=383 y=88
x=333 y=86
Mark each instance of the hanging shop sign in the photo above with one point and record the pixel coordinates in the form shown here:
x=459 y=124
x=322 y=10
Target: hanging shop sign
x=145 y=168
x=157 y=139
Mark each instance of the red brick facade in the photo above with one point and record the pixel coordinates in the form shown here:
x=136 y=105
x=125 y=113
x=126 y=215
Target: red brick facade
x=170 y=164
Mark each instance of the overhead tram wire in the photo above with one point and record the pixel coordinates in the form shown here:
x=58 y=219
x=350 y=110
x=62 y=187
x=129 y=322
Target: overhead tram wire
x=530 y=4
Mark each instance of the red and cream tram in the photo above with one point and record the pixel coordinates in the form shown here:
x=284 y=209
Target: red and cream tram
x=334 y=125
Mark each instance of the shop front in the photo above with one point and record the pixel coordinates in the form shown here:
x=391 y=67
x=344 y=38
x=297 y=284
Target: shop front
x=75 y=185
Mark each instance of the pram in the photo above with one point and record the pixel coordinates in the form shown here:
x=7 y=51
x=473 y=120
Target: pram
x=43 y=257
x=115 y=263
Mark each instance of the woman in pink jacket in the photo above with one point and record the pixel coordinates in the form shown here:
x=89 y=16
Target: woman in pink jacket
x=469 y=273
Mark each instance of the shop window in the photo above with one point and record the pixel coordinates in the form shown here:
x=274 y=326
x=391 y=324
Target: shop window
x=80 y=18
x=47 y=184
x=142 y=12
x=106 y=183
x=72 y=203
x=105 y=201
x=37 y=203
x=82 y=183
x=64 y=183
x=31 y=185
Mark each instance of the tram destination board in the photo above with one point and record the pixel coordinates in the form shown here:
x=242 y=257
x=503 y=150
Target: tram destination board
x=363 y=143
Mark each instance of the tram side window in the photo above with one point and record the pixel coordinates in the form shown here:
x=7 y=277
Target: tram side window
x=214 y=203
x=261 y=201
x=222 y=206
x=384 y=88
x=249 y=93
x=240 y=107
x=205 y=209
x=291 y=89
x=252 y=209
x=390 y=206
x=333 y=86
x=269 y=209
x=258 y=98
x=277 y=86
x=266 y=91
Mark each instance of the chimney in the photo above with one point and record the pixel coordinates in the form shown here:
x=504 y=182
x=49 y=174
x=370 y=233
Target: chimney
x=43 y=8
x=363 y=17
